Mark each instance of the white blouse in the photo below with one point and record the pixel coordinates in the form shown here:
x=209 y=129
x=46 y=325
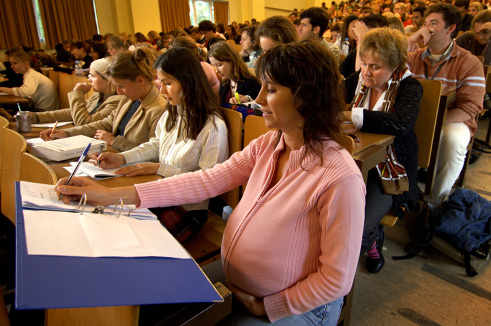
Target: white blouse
x=178 y=154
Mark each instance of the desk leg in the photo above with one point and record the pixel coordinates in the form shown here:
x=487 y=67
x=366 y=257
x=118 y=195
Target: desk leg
x=98 y=316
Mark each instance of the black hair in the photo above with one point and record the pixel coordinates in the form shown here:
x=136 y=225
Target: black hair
x=317 y=17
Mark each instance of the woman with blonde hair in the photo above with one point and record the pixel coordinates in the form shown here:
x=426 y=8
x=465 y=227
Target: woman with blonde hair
x=238 y=85
x=135 y=118
x=82 y=111
x=386 y=101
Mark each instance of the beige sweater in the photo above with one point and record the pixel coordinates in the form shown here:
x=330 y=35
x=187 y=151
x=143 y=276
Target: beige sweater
x=40 y=89
x=81 y=110
x=138 y=130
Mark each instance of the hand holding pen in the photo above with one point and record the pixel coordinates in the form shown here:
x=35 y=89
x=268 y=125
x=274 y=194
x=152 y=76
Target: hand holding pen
x=53 y=130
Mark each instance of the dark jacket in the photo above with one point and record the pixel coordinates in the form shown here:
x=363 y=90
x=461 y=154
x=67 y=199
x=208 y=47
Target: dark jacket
x=249 y=87
x=400 y=123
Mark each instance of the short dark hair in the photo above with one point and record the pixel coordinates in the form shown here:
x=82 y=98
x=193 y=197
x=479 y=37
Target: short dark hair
x=199 y=100
x=115 y=41
x=451 y=15
x=462 y=3
x=421 y=10
x=483 y=16
x=317 y=17
x=279 y=29
x=207 y=26
x=375 y=20
x=310 y=71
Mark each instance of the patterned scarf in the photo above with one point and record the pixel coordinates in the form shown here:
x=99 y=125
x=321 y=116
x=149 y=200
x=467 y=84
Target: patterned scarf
x=390 y=90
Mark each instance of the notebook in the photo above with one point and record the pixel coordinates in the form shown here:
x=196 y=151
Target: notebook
x=64 y=148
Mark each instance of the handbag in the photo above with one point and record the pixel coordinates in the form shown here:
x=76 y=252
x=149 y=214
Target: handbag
x=392 y=174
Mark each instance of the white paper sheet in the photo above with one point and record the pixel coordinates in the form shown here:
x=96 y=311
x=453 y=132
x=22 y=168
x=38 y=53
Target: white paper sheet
x=95 y=235
x=51 y=124
x=44 y=197
x=90 y=170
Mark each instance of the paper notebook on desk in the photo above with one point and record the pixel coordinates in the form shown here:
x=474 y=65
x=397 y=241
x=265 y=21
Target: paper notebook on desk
x=54 y=229
x=88 y=169
x=39 y=196
x=51 y=124
x=55 y=281
x=64 y=148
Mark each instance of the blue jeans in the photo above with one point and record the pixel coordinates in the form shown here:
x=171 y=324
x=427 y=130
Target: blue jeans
x=325 y=315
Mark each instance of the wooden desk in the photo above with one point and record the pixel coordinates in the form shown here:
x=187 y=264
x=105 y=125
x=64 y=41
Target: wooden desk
x=12 y=99
x=370 y=150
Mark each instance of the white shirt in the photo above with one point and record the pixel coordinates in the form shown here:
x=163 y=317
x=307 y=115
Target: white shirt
x=357 y=113
x=178 y=154
x=40 y=89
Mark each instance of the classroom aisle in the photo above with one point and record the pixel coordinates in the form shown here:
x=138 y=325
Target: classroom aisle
x=429 y=290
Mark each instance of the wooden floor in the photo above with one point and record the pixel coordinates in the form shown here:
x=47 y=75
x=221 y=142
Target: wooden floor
x=428 y=290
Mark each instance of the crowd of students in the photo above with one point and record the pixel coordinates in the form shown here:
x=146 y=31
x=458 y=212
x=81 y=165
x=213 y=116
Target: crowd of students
x=302 y=217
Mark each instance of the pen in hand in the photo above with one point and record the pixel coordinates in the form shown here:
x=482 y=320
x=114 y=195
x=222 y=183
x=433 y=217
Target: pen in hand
x=53 y=129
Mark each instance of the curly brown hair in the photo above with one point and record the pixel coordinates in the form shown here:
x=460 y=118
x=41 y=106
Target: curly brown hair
x=310 y=71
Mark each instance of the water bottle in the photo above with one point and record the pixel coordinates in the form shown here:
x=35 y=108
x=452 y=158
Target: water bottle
x=345 y=47
x=227 y=210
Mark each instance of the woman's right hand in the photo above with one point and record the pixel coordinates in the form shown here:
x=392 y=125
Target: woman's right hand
x=96 y=194
x=48 y=135
x=108 y=160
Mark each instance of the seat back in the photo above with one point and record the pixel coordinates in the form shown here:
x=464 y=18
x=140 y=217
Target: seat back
x=55 y=77
x=233 y=119
x=3 y=124
x=13 y=144
x=66 y=82
x=429 y=126
x=33 y=169
x=254 y=127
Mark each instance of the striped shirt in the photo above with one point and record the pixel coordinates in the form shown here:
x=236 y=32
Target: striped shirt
x=462 y=77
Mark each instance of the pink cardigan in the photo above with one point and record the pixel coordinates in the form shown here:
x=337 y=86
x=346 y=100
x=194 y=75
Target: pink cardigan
x=297 y=243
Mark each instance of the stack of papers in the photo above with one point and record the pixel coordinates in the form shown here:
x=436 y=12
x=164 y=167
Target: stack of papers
x=64 y=148
x=39 y=196
x=87 y=169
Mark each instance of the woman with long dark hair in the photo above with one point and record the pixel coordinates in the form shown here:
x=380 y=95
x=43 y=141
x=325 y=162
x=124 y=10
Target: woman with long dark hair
x=191 y=135
x=291 y=246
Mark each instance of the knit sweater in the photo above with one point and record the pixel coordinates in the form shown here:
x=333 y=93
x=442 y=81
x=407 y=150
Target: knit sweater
x=296 y=243
x=462 y=78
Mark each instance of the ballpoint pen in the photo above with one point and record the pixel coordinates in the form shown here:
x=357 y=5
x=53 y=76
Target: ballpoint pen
x=80 y=160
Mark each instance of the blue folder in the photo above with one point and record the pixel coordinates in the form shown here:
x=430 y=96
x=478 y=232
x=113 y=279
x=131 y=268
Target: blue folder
x=68 y=282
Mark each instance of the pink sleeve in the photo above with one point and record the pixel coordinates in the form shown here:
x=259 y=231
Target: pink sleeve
x=211 y=75
x=341 y=211
x=193 y=187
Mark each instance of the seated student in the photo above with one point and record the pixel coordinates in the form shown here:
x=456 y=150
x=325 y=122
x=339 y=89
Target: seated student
x=188 y=43
x=135 y=118
x=292 y=244
x=238 y=85
x=386 y=101
x=13 y=79
x=114 y=45
x=80 y=54
x=36 y=86
x=250 y=49
x=82 y=111
x=191 y=135
x=276 y=30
